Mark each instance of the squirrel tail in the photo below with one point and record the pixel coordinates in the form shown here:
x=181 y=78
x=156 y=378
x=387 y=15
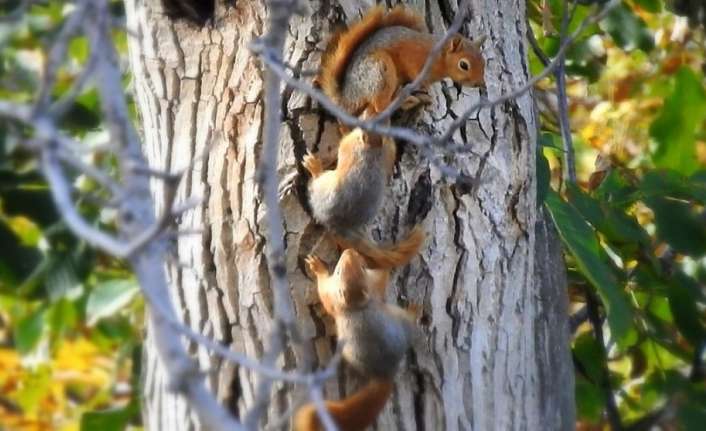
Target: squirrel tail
x=342 y=45
x=384 y=257
x=355 y=413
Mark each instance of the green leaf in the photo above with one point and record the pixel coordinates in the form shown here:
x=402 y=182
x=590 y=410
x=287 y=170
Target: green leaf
x=650 y=5
x=589 y=401
x=692 y=416
x=627 y=29
x=61 y=279
x=62 y=315
x=19 y=261
x=550 y=140
x=29 y=331
x=616 y=191
x=590 y=355
x=683 y=297
x=25 y=229
x=108 y=420
x=617 y=226
x=661 y=183
x=697 y=186
x=679 y=224
x=79 y=49
x=581 y=241
x=109 y=297
x=674 y=130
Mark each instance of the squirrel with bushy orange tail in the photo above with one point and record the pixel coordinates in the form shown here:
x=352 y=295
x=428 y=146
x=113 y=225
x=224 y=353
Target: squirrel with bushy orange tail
x=375 y=337
x=362 y=70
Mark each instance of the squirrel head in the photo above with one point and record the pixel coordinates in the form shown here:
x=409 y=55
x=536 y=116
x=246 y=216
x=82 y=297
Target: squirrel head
x=463 y=61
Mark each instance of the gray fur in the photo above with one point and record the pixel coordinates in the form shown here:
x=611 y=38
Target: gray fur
x=363 y=76
x=358 y=196
x=382 y=337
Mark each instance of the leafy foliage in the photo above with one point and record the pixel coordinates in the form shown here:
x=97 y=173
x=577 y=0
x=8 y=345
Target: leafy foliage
x=69 y=320
x=634 y=224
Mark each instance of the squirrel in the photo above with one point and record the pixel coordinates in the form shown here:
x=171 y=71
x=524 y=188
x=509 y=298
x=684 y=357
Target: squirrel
x=363 y=66
x=346 y=198
x=376 y=335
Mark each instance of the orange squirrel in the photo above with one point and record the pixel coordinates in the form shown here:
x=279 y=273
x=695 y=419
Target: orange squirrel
x=376 y=336
x=346 y=198
x=364 y=65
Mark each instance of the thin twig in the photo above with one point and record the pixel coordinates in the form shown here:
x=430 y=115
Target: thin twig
x=91 y=171
x=564 y=125
x=410 y=88
x=597 y=325
x=280 y=12
x=57 y=55
x=62 y=106
x=541 y=55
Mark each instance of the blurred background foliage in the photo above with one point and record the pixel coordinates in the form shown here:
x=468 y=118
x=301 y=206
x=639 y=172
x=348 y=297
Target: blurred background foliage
x=70 y=317
x=633 y=226
x=634 y=222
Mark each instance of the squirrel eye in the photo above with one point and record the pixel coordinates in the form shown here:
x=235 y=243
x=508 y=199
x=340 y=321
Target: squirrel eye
x=464 y=65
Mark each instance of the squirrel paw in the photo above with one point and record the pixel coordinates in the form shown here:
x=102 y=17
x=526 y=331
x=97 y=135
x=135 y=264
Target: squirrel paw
x=315 y=265
x=312 y=164
x=415 y=100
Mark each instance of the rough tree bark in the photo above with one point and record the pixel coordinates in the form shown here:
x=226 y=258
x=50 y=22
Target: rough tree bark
x=493 y=350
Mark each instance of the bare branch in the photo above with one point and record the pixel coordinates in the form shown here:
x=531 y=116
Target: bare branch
x=159 y=307
x=61 y=106
x=57 y=55
x=541 y=55
x=559 y=73
x=61 y=192
x=284 y=325
x=98 y=175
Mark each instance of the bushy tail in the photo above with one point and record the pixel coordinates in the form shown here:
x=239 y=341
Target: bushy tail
x=355 y=413
x=383 y=257
x=343 y=44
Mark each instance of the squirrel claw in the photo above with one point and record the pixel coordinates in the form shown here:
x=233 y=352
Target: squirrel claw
x=312 y=164
x=315 y=265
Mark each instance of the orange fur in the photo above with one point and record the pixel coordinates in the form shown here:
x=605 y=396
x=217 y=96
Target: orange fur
x=343 y=44
x=360 y=282
x=385 y=257
x=354 y=287
x=355 y=413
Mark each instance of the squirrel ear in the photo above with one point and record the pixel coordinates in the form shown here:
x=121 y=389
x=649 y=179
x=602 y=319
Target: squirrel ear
x=455 y=43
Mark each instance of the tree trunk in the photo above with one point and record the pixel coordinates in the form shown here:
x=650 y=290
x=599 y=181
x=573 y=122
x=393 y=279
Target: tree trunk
x=493 y=349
